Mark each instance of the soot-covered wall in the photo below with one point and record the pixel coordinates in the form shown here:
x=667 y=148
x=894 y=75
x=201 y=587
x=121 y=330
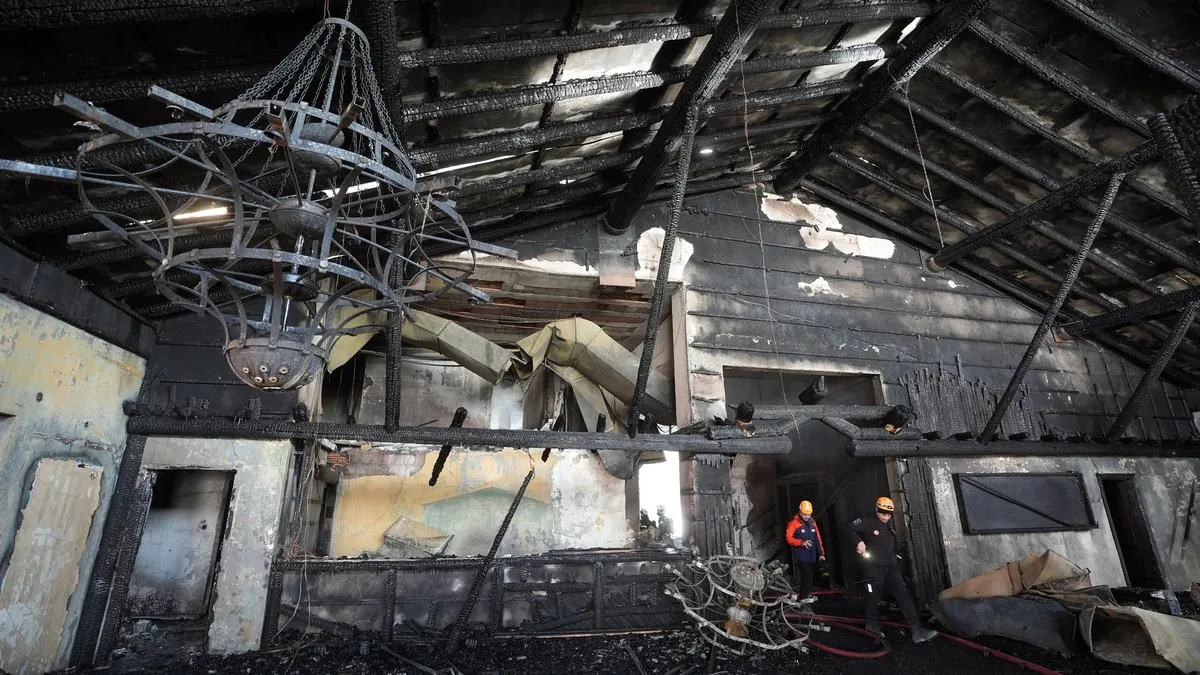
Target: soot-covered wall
x=792 y=285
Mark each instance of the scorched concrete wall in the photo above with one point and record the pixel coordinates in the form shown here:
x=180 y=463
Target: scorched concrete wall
x=60 y=397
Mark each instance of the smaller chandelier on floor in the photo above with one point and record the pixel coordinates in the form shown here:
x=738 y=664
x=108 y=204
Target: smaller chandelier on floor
x=328 y=234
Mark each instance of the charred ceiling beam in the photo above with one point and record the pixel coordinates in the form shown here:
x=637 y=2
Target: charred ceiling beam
x=1038 y=342
x=1057 y=78
x=549 y=93
x=578 y=41
x=990 y=150
x=771 y=98
x=1129 y=43
x=263 y=429
x=988 y=274
x=724 y=48
x=1021 y=116
x=1062 y=195
x=925 y=42
x=380 y=28
x=1021 y=257
x=41 y=96
x=1153 y=371
x=1163 y=304
x=89 y=13
x=1042 y=227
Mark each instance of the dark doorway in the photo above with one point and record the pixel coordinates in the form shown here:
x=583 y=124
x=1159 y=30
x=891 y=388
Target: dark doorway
x=1131 y=532
x=173 y=572
x=817 y=469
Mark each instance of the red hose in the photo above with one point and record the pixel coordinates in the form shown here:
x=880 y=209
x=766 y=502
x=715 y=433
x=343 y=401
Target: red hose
x=845 y=652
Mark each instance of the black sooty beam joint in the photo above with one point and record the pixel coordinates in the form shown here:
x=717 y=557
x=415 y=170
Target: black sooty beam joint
x=460 y=416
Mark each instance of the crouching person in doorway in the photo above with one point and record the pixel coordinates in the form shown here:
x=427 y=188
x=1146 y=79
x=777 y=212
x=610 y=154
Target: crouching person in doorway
x=807 y=547
x=877 y=544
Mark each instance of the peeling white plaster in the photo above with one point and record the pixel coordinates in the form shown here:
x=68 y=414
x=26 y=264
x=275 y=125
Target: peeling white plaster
x=824 y=228
x=564 y=267
x=588 y=503
x=649 y=247
x=819 y=286
x=952 y=284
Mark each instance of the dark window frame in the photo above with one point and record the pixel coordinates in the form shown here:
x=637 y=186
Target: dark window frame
x=1083 y=493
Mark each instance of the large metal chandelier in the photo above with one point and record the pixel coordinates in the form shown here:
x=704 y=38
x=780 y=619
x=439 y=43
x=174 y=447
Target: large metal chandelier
x=327 y=231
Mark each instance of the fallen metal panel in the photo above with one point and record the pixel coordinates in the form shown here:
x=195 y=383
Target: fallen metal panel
x=1044 y=623
x=44 y=568
x=1139 y=637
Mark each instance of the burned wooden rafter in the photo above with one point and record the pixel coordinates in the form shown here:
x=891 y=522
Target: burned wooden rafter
x=578 y=41
x=1057 y=78
x=654 y=318
x=1021 y=257
x=724 y=48
x=1132 y=230
x=1129 y=43
x=1158 y=306
x=1024 y=118
x=611 y=84
x=988 y=274
x=926 y=41
x=1051 y=314
x=1042 y=227
x=49 y=15
x=1025 y=215
x=1153 y=371
x=380 y=27
x=265 y=429
x=1179 y=168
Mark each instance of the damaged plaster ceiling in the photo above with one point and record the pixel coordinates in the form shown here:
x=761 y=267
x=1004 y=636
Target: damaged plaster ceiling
x=543 y=108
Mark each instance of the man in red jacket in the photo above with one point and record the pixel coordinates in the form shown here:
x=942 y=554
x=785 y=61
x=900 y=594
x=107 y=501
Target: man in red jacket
x=807 y=547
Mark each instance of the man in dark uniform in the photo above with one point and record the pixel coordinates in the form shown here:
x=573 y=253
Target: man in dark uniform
x=877 y=544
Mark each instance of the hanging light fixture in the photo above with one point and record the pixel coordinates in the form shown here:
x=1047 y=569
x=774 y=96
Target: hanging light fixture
x=304 y=170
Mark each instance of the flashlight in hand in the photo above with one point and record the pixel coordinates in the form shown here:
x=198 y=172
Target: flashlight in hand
x=866 y=554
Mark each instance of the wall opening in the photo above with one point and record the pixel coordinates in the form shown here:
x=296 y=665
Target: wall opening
x=658 y=488
x=176 y=563
x=818 y=469
x=1131 y=531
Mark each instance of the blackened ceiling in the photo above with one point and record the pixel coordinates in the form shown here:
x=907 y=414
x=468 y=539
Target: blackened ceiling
x=550 y=104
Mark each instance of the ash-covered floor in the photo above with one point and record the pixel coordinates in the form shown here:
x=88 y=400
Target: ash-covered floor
x=177 y=650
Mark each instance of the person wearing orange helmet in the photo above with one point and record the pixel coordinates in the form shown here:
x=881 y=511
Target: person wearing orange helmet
x=807 y=548
x=877 y=545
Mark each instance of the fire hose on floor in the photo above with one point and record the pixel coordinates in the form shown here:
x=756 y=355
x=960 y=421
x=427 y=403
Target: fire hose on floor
x=739 y=604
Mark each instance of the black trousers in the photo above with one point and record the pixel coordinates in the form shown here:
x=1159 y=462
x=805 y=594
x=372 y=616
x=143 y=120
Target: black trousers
x=804 y=578
x=886 y=579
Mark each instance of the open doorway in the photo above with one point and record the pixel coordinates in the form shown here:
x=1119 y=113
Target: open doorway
x=817 y=469
x=173 y=572
x=659 y=501
x=1129 y=527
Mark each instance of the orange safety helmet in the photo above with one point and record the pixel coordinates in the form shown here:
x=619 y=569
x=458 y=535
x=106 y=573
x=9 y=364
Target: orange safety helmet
x=885 y=505
x=806 y=508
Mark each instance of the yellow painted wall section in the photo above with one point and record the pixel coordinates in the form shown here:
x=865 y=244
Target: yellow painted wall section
x=61 y=391
x=368 y=506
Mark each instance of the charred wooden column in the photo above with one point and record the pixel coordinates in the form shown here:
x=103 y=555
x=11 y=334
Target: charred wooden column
x=708 y=503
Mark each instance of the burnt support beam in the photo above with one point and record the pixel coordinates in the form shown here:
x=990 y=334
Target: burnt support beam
x=1055 y=77
x=460 y=416
x=485 y=565
x=663 y=273
x=1129 y=43
x=991 y=151
x=48 y=15
x=1153 y=372
x=1048 y=319
x=926 y=41
x=1025 y=215
x=266 y=429
x=861 y=168
x=578 y=41
x=106 y=90
x=1047 y=133
x=985 y=273
x=380 y=27
x=923 y=448
x=1042 y=227
x=722 y=51
x=1163 y=304
x=1178 y=167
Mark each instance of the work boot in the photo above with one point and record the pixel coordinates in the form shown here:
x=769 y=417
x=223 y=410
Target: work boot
x=922 y=634
x=873 y=627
